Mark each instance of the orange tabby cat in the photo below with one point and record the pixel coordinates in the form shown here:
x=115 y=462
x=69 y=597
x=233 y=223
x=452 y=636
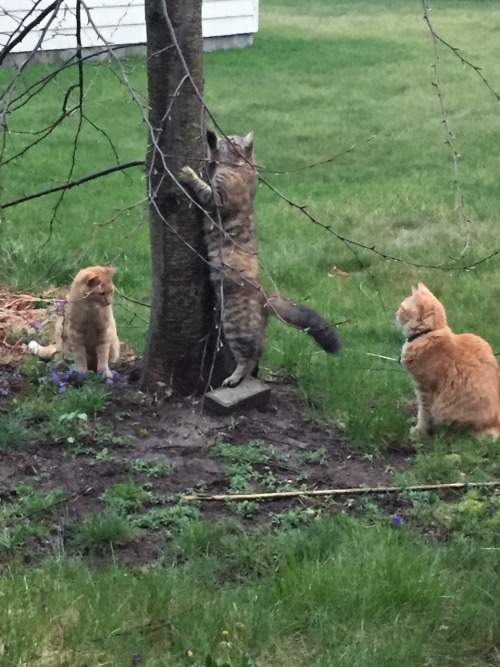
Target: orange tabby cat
x=87 y=329
x=456 y=376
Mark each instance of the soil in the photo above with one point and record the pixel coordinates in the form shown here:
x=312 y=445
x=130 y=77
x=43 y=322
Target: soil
x=178 y=432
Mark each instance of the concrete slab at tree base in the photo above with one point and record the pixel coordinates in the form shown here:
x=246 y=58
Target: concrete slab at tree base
x=251 y=393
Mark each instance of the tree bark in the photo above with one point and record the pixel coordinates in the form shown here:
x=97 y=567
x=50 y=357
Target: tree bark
x=181 y=352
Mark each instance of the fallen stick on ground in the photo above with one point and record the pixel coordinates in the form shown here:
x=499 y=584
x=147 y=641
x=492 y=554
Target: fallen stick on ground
x=341 y=492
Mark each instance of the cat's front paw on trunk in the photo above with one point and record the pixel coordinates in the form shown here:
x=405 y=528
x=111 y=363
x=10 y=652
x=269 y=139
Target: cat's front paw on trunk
x=187 y=175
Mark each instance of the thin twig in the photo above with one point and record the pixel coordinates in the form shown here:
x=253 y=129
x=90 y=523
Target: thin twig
x=74 y=183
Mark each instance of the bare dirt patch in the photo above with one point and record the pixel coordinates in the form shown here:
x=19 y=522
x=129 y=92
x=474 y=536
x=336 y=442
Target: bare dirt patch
x=175 y=448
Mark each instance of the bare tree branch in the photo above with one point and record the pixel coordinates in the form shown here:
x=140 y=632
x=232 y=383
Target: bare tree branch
x=28 y=28
x=74 y=183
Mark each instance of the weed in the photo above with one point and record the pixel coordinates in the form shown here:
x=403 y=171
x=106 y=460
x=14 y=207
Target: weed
x=13 y=431
x=316 y=457
x=174 y=518
x=229 y=661
x=240 y=466
x=29 y=502
x=125 y=496
x=293 y=518
x=102 y=437
x=151 y=467
x=101 y=531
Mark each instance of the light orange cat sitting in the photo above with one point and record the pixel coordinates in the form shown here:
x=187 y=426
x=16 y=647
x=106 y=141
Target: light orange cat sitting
x=456 y=376
x=87 y=329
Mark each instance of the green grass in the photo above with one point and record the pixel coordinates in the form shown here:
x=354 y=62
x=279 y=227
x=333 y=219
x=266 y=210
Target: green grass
x=317 y=591
x=368 y=73
x=101 y=532
x=344 y=73
x=337 y=593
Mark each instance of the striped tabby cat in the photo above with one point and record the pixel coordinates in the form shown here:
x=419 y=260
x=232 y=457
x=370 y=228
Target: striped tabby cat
x=232 y=253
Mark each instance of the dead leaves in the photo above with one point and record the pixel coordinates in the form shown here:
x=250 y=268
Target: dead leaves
x=19 y=315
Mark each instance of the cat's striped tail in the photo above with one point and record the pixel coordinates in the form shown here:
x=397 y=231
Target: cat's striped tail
x=306 y=319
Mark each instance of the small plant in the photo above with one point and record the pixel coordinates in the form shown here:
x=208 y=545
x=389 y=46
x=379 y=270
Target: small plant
x=243 y=508
x=29 y=502
x=316 y=456
x=11 y=538
x=13 y=431
x=246 y=661
x=125 y=496
x=294 y=517
x=151 y=467
x=228 y=655
x=240 y=463
x=105 y=438
x=73 y=425
x=102 y=531
x=175 y=518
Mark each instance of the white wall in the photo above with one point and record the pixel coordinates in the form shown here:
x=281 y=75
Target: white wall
x=118 y=22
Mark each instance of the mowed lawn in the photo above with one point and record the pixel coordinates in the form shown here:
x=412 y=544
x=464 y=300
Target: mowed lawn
x=321 y=77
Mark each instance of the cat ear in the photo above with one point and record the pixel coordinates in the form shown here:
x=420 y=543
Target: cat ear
x=423 y=289
x=211 y=140
x=417 y=297
x=248 y=141
x=91 y=278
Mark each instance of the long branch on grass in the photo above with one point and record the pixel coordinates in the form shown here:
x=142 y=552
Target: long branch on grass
x=273 y=495
x=371 y=248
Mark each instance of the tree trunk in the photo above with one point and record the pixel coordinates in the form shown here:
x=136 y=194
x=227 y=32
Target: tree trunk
x=181 y=349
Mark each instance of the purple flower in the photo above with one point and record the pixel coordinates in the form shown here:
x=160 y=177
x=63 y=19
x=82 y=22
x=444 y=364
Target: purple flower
x=6 y=391
x=396 y=519
x=59 y=304
x=116 y=375
x=109 y=381
x=137 y=658
x=36 y=325
x=81 y=376
x=43 y=380
x=62 y=388
x=56 y=377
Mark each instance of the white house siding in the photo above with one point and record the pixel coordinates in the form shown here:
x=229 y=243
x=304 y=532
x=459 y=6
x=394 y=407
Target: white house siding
x=119 y=22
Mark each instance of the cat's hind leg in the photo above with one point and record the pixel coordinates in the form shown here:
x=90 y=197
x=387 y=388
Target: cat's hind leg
x=241 y=371
x=114 y=350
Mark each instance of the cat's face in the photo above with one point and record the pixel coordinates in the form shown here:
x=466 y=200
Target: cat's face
x=95 y=285
x=420 y=310
x=233 y=149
